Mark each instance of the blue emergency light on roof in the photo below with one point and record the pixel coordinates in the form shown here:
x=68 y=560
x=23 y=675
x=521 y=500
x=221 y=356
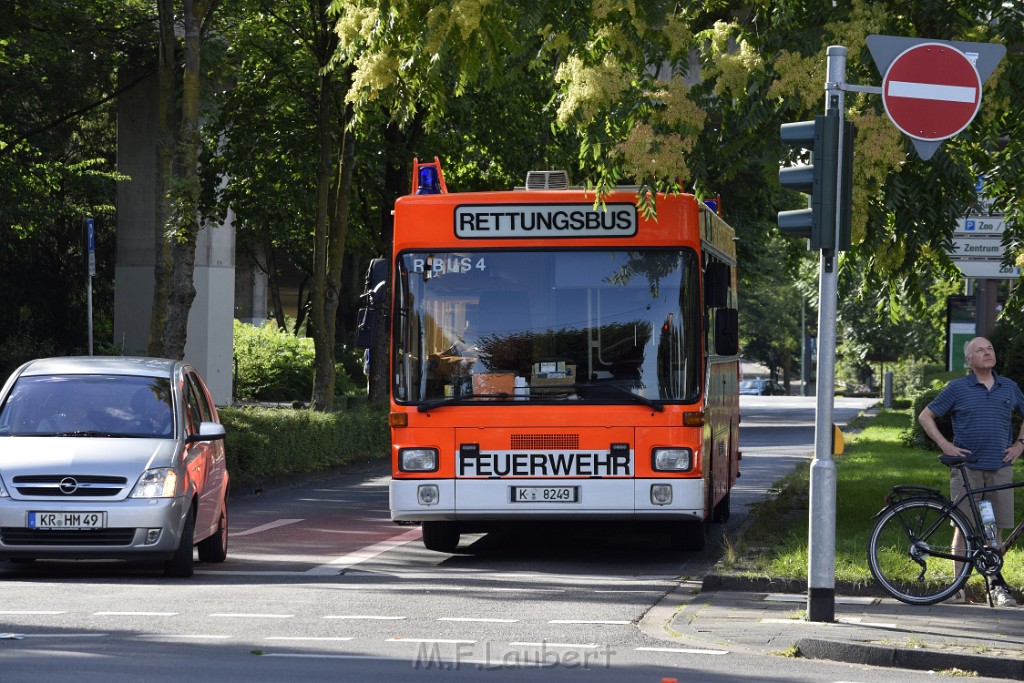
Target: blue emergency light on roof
x=429 y=183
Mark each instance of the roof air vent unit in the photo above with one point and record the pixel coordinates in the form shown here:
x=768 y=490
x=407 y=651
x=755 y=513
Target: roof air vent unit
x=547 y=180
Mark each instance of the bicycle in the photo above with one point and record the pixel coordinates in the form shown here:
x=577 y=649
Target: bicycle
x=913 y=534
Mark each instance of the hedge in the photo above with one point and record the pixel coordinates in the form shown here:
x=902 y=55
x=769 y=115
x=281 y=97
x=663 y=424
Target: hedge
x=264 y=444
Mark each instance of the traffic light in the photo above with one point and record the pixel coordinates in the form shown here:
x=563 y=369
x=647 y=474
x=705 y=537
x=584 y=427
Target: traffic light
x=819 y=180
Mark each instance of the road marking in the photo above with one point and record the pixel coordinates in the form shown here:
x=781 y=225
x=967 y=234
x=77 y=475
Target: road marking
x=317 y=638
x=32 y=612
x=363 y=616
x=367 y=553
x=135 y=614
x=264 y=527
x=447 y=641
x=481 y=619
x=243 y=615
x=682 y=651
x=582 y=646
x=185 y=636
x=63 y=635
x=608 y=622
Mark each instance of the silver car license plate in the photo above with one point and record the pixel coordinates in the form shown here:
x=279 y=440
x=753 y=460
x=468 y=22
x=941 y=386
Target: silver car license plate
x=67 y=520
x=545 y=494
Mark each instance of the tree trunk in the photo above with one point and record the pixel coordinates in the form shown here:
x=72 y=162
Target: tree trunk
x=167 y=116
x=323 y=364
x=182 y=226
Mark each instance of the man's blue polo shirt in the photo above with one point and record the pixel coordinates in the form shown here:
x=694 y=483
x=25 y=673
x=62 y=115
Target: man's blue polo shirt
x=982 y=417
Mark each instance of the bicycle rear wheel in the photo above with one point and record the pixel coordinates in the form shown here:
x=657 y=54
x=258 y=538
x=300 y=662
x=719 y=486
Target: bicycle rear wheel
x=901 y=547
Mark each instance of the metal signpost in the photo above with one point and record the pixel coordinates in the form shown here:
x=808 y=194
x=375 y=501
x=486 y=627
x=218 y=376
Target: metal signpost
x=88 y=228
x=931 y=90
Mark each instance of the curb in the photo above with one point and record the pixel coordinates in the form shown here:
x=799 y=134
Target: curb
x=904 y=658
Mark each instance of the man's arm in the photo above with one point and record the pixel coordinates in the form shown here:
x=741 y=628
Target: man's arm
x=927 y=422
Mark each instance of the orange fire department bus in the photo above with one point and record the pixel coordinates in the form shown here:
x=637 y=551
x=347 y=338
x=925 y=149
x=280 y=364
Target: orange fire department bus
x=553 y=360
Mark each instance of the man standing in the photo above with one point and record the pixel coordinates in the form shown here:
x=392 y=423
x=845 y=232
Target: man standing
x=981 y=406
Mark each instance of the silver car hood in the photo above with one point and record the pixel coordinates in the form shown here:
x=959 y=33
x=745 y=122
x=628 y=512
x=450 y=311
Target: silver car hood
x=123 y=457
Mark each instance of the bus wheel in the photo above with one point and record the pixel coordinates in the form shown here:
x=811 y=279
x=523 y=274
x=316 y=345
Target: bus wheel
x=442 y=537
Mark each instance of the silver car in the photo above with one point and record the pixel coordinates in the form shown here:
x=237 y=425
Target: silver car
x=112 y=457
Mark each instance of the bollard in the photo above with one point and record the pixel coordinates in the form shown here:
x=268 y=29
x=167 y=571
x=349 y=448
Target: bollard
x=887 y=400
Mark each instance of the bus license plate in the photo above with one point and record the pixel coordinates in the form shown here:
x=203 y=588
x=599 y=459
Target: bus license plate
x=545 y=494
x=66 y=520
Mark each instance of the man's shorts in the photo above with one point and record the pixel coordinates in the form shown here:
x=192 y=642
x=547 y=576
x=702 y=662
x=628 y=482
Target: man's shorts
x=1002 y=501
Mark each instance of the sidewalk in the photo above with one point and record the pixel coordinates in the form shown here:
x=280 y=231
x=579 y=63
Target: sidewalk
x=868 y=629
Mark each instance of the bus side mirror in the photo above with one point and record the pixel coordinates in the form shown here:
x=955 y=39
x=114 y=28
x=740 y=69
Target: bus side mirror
x=376 y=281
x=374 y=288
x=716 y=284
x=727 y=332
x=366 y=326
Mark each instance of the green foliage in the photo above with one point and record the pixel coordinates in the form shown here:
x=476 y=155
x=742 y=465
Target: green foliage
x=266 y=443
x=875 y=461
x=915 y=436
x=273 y=365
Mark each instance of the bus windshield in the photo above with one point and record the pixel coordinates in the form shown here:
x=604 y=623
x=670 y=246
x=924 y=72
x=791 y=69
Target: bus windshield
x=605 y=326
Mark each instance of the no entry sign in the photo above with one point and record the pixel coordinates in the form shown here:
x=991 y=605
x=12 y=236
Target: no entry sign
x=931 y=91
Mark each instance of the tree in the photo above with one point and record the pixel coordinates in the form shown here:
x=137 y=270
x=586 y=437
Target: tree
x=178 y=176
x=58 y=66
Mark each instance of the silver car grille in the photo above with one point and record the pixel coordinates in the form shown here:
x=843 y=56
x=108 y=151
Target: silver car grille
x=69 y=485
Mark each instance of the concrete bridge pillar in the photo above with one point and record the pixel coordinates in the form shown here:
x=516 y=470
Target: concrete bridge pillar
x=210 y=326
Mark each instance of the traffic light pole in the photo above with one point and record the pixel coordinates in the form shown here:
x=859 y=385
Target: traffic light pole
x=821 y=572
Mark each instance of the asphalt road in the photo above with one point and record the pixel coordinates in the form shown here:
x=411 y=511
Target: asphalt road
x=319 y=584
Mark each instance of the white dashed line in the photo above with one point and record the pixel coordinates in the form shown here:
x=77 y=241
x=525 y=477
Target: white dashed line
x=581 y=646
x=185 y=636
x=480 y=620
x=363 y=616
x=240 y=615
x=316 y=638
x=682 y=651
x=265 y=527
x=598 y=622
x=63 y=635
x=135 y=614
x=367 y=553
x=445 y=641
x=32 y=612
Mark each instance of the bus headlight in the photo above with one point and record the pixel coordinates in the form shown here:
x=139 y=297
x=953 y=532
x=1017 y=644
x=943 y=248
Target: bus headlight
x=417 y=460
x=672 y=459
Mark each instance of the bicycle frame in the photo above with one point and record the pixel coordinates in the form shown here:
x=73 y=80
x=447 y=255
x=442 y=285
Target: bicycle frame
x=904 y=492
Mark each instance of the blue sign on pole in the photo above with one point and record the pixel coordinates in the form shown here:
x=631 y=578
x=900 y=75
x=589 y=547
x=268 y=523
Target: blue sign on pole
x=90 y=245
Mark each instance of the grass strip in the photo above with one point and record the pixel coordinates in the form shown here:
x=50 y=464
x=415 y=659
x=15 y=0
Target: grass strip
x=773 y=544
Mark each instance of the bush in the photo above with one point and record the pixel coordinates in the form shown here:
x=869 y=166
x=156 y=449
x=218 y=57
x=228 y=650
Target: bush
x=273 y=365
x=267 y=443
x=916 y=438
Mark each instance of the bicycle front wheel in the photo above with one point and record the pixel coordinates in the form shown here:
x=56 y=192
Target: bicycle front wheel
x=902 y=547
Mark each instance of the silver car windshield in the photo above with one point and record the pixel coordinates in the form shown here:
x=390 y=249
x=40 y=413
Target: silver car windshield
x=596 y=325
x=88 y=405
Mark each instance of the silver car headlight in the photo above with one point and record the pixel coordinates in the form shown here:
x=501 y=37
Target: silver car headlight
x=672 y=459
x=417 y=460
x=161 y=482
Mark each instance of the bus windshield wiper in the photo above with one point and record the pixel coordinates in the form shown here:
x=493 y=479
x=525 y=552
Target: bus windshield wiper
x=635 y=398
x=452 y=400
